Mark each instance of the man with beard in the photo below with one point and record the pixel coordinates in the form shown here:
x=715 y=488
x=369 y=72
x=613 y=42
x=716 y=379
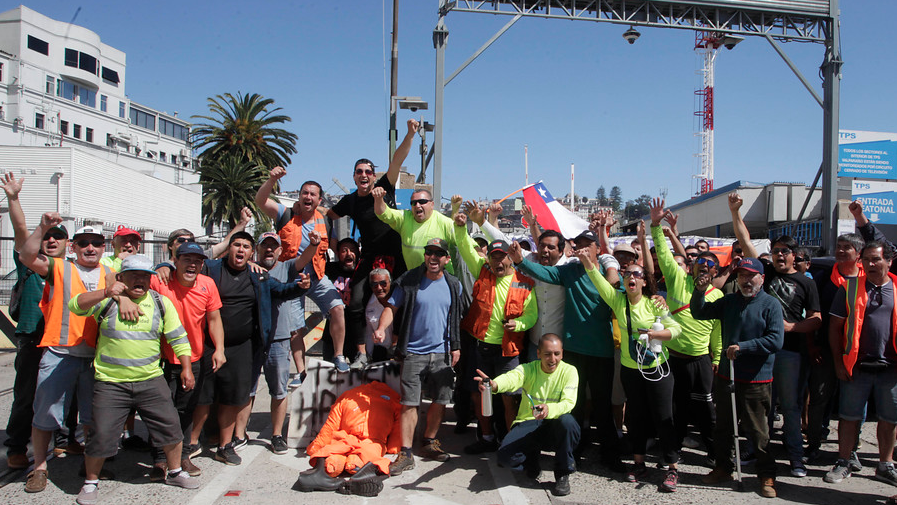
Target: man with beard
x=753 y=327
x=588 y=339
x=695 y=352
x=381 y=246
x=800 y=302
x=30 y=327
x=198 y=304
x=248 y=329
x=295 y=226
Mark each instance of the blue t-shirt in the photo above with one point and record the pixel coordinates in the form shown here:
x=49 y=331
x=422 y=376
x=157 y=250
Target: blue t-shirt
x=429 y=323
x=281 y=315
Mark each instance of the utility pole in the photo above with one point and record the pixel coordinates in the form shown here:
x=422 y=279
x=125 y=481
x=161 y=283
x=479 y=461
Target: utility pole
x=393 y=80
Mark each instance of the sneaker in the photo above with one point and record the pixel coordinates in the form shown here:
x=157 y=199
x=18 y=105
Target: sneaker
x=360 y=362
x=88 y=496
x=228 y=455
x=481 y=446
x=798 y=469
x=279 y=445
x=669 y=482
x=636 y=472
x=840 y=472
x=158 y=472
x=189 y=467
x=240 y=443
x=37 y=481
x=296 y=380
x=342 y=366
x=17 y=461
x=854 y=462
x=717 y=476
x=192 y=450
x=182 y=479
x=434 y=451
x=135 y=443
x=768 y=487
x=886 y=473
x=404 y=461
x=690 y=443
x=561 y=485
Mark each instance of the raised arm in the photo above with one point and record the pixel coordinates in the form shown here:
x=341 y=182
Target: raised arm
x=395 y=165
x=30 y=255
x=532 y=221
x=868 y=230
x=245 y=217
x=647 y=264
x=12 y=187
x=672 y=232
x=741 y=231
x=262 y=196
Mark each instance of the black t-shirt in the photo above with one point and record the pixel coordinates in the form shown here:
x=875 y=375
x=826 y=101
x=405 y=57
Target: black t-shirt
x=340 y=278
x=798 y=295
x=238 y=314
x=875 y=335
x=377 y=238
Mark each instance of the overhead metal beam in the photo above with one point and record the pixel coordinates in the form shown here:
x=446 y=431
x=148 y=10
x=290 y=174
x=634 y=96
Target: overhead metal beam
x=794 y=69
x=484 y=47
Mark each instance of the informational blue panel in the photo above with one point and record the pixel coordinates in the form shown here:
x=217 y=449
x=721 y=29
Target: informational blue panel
x=867 y=155
x=403 y=198
x=878 y=199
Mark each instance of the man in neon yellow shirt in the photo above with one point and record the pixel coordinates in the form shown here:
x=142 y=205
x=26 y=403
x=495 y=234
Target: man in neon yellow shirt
x=694 y=355
x=544 y=420
x=129 y=372
x=416 y=226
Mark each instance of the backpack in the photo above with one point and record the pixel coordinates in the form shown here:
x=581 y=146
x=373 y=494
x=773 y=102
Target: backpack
x=15 y=296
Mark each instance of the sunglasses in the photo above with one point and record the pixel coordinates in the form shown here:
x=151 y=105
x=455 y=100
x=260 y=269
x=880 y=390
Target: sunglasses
x=96 y=242
x=55 y=236
x=181 y=240
x=359 y=171
x=784 y=251
x=438 y=254
x=705 y=261
x=380 y=284
x=638 y=274
x=801 y=259
x=421 y=201
x=692 y=255
x=737 y=250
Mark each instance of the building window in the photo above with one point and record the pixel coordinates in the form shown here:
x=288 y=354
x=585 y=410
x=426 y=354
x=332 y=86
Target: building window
x=88 y=63
x=1 y=72
x=163 y=157
x=143 y=119
x=51 y=84
x=87 y=97
x=110 y=77
x=76 y=131
x=88 y=134
x=172 y=129
x=36 y=44
x=103 y=100
x=64 y=127
x=121 y=109
x=39 y=121
x=71 y=58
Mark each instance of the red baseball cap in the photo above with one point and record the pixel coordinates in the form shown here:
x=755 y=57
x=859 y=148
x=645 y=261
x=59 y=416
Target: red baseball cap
x=123 y=230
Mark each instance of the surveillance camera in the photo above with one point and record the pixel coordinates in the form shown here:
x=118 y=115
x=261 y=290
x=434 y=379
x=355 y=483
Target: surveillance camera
x=730 y=41
x=413 y=104
x=631 y=35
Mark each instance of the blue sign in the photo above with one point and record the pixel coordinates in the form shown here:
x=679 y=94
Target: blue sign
x=867 y=155
x=878 y=200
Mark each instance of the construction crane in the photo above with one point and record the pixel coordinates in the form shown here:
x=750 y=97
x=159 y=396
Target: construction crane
x=340 y=185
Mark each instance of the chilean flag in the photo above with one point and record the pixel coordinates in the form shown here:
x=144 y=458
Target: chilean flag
x=551 y=214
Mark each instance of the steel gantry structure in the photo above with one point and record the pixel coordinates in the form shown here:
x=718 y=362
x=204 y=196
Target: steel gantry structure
x=814 y=21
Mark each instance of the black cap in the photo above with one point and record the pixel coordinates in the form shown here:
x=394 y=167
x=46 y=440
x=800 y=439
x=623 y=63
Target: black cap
x=498 y=245
x=588 y=234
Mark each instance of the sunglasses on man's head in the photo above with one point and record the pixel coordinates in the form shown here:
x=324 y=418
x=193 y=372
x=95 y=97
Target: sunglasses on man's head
x=422 y=201
x=96 y=242
x=705 y=261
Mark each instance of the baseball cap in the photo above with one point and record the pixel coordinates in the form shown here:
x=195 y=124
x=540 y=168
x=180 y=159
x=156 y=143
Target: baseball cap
x=479 y=236
x=190 y=248
x=624 y=247
x=588 y=234
x=267 y=235
x=88 y=230
x=137 y=263
x=498 y=245
x=61 y=228
x=123 y=230
x=437 y=243
x=751 y=265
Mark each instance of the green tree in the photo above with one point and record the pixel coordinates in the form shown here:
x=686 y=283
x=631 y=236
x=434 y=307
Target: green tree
x=637 y=208
x=616 y=198
x=601 y=196
x=229 y=184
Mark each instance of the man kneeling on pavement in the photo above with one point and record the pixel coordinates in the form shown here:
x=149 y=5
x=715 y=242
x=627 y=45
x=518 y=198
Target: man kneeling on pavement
x=543 y=421
x=128 y=371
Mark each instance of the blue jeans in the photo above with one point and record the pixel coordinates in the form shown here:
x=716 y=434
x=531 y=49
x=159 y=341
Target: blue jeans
x=789 y=379
x=61 y=376
x=881 y=385
x=527 y=439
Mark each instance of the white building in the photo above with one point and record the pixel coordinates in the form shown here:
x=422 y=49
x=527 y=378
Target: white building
x=87 y=150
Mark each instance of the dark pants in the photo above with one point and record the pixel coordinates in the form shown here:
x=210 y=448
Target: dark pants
x=184 y=403
x=27 y=363
x=821 y=385
x=650 y=403
x=753 y=401
x=692 y=398
x=522 y=445
x=596 y=378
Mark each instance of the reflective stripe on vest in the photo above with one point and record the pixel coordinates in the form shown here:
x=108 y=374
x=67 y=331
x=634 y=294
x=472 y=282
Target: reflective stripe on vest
x=130 y=362
x=856 y=301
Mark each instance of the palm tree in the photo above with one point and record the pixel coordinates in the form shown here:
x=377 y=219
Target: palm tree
x=244 y=126
x=229 y=183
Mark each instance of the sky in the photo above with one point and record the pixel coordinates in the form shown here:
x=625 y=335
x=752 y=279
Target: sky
x=573 y=91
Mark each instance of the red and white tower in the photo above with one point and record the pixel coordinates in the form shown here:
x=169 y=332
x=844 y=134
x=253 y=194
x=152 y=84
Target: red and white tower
x=707 y=45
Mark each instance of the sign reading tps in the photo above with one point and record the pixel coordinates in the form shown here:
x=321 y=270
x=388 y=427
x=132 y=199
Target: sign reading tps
x=878 y=199
x=867 y=155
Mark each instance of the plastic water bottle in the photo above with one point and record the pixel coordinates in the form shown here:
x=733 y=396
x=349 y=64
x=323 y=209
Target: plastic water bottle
x=656 y=345
x=486 y=399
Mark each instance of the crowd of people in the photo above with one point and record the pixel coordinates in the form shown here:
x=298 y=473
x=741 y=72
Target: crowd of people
x=563 y=348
